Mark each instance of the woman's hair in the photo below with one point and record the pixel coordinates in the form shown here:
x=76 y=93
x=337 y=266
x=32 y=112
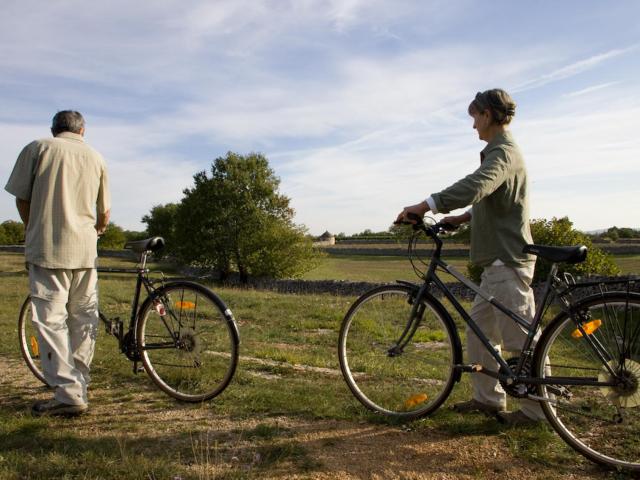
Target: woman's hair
x=67 y=121
x=498 y=102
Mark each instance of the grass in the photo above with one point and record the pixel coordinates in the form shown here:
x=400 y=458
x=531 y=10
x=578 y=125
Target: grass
x=369 y=268
x=276 y=419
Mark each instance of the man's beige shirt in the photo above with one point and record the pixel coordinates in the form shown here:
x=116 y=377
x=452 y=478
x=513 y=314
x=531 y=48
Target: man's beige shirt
x=65 y=180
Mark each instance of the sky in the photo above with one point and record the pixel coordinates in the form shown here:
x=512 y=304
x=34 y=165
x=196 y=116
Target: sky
x=360 y=106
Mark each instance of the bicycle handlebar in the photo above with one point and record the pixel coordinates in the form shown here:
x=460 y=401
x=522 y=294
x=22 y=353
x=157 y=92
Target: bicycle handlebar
x=417 y=223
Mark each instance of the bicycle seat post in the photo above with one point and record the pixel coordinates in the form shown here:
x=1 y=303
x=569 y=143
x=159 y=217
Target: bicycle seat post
x=143 y=260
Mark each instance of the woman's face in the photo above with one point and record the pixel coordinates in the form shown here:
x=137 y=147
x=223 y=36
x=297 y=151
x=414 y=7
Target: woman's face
x=482 y=123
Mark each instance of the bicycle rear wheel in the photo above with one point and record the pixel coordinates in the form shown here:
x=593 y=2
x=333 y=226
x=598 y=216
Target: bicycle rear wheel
x=188 y=341
x=29 y=342
x=407 y=382
x=601 y=422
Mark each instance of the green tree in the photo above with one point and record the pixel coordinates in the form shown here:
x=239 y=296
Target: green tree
x=560 y=232
x=11 y=232
x=236 y=220
x=161 y=221
x=113 y=238
x=132 y=235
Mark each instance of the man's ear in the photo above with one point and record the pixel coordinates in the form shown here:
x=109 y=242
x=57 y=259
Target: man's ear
x=82 y=131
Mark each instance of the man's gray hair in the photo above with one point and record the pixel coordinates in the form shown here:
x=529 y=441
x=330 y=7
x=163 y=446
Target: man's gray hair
x=67 y=121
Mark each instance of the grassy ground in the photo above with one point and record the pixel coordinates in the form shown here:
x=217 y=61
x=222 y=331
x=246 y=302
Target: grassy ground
x=287 y=413
x=365 y=268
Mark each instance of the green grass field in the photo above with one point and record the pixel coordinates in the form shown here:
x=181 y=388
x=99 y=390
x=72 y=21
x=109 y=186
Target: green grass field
x=286 y=414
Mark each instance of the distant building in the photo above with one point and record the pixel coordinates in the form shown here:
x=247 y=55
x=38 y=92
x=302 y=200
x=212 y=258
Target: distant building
x=326 y=239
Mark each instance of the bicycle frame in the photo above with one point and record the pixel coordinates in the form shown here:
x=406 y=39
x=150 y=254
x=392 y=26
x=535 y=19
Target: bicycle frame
x=431 y=281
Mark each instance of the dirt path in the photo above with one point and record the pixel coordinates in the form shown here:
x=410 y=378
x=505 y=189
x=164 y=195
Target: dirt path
x=314 y=449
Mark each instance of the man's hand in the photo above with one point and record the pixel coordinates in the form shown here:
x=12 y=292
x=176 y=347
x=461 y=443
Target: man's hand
x=103 y=222
x=419 y=209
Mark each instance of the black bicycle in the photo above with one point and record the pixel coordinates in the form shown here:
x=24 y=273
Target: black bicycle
x=184 y=335
x=400 y=352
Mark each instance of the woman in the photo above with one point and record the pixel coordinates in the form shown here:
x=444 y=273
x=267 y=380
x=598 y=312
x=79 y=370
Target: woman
x=498 y=194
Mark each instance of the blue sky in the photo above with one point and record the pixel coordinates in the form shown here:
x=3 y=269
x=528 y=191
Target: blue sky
x=360 y=105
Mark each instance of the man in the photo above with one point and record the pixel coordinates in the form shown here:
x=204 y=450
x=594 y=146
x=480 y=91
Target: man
x=62 y=195
x=498 y=193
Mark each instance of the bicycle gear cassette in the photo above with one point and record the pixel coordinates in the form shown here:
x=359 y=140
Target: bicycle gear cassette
x=625 y=395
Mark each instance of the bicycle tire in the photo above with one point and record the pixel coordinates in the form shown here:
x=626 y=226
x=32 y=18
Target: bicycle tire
x=188 y=342
x=601 y=423
x=29 y=341
x=413 y=383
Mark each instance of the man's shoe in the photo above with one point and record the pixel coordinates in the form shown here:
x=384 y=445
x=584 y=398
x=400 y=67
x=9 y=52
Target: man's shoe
x=476 y=406
x=516 y=419
x=56 y=408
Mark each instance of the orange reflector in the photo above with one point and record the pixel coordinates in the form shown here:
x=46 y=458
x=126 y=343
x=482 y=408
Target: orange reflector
x=588 y=327
x=414 y=400
x=188 y=305
x=35 y=349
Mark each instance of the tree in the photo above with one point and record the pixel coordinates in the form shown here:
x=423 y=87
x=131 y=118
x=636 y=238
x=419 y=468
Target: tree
x=161 y=221
x=236 y=220
x=560 y=232
x=11 y=233
x=113 y=238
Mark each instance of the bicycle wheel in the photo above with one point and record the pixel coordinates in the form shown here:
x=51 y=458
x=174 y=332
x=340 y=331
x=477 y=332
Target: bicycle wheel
x=29 y=343
x=600 y=422
x=188 y=341
x=406 y=382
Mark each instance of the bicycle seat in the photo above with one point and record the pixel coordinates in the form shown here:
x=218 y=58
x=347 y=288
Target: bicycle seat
x=152 y=244
x=575 y=254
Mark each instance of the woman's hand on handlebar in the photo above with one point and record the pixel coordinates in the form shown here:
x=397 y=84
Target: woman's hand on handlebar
x=418 y=209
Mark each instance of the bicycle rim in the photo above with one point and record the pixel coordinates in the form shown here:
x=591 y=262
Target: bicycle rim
x=188 y=347
x=29 y=341
x=409 y=383
x=600 y=422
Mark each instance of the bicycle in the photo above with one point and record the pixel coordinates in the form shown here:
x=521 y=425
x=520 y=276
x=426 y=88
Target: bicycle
x=183 y=334
x=401 y=355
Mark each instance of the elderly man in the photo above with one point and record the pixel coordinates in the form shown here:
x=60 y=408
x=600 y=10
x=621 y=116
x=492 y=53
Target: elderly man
x=62 y=195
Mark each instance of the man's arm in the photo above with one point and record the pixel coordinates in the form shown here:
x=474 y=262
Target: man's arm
x=23 y=210
x=103 y=221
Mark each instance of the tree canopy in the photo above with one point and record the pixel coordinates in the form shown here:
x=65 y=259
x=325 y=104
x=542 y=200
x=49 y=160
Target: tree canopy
x=11 y=233
x=235 y=219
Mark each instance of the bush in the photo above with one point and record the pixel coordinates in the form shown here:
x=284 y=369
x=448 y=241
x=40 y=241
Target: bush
x=113 y=238
x=11 y=233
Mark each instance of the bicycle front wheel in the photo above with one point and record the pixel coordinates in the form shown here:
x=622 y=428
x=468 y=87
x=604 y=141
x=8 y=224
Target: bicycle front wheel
x=391 y=377
x=599 y=421
x=188 y=341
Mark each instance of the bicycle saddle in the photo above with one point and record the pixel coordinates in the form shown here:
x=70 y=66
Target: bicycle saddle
x=575 y=254
x=152 y=244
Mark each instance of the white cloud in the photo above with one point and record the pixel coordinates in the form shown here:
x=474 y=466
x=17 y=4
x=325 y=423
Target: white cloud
x=360 y=105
